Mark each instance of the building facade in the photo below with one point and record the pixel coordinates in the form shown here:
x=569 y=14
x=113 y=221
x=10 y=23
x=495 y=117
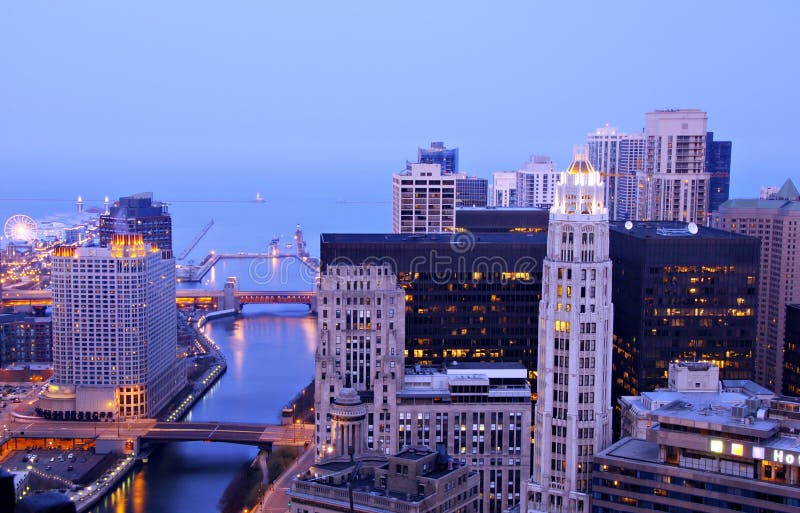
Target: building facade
x=504 y=189
x=619 y=158
x=718 y=165
x=703 y=444
x=573 y=410
x=423 y=200
x=536 y=182
x=471 y=191
x=114 y=332
x=681 y=294
x=501 y=220
x=139 y=214
x=361 y=332
x=25 y=339
x=791 y=352
x=468 y=296
x=777 y=223
x=479 y=413
x=677 y=184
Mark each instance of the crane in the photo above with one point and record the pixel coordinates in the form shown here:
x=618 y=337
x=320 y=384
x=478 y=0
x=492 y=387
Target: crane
x=196 y=239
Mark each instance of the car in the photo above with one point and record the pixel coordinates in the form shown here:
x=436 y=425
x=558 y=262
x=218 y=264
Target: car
x=52 y=459
x=69 y=468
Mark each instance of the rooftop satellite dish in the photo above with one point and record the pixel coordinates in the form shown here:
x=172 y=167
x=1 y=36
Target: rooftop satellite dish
x=628 y=225
x=692 y=228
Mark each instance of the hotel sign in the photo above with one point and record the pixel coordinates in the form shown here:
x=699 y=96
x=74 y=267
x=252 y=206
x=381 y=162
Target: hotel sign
x=777 y=455
x=759 y=453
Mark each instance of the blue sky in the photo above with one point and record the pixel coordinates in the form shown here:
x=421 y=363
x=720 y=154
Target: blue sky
x=337 y=95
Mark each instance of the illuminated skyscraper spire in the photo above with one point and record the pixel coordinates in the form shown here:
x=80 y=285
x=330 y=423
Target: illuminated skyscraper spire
x=573 y=409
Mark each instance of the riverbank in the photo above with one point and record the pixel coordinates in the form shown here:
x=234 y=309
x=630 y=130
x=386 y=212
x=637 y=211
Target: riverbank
x=212 y=370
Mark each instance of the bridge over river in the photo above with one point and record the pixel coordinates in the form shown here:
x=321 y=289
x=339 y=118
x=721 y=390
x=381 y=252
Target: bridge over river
x=151 y=432
x=209 y=299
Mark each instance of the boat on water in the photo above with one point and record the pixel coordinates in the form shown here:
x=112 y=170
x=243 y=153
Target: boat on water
x=259 y=198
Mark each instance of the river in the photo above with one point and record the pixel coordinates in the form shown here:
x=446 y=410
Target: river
x=270 y=352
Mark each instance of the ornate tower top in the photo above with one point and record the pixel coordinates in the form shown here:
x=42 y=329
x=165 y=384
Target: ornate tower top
x=580 y=189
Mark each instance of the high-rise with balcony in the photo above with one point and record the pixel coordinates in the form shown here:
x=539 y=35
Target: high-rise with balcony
x=139 y=214
x=619 y=158
x=423 y=200
x=677 y=184
x=504 y=189
x=114 y=332
x=536 y=182
x=573 y=407
x=777 y=223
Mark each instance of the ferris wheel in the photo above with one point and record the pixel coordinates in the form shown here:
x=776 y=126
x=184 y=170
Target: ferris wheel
x=20 y=227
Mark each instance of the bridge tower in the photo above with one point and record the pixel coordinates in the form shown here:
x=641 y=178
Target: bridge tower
x=229 y=299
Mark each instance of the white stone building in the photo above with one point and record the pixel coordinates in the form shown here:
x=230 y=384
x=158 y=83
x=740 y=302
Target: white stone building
x=573 y=407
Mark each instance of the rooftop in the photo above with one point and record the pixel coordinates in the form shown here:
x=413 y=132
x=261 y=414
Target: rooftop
x=633 y=449
x=760 y=204
x=670 y=230
x=431 y=238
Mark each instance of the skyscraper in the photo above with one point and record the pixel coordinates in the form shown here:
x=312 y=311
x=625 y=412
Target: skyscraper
x=619 y=158
x=681 y=294
x=718 y=165
x=139 y=214
x=777 y=223
x=536 y=182
x=114 y=332
x=361 y=340
x=440 y=154
x=573 y=407
x=423 y=200
x=677 y=183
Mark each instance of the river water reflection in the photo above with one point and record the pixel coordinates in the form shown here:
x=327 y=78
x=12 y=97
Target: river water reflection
x=270 y=352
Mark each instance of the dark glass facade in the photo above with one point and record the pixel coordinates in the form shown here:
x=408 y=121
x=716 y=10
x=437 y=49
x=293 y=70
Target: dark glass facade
x=141 y=215
x=25 y=339
x=681 y=296
x=502 y=220
x=470 y=297
x=718 y=163
x=472 y=191
x=791 y=352
x=440 y=154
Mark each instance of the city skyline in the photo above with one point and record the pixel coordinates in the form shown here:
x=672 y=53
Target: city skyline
x=209 y=91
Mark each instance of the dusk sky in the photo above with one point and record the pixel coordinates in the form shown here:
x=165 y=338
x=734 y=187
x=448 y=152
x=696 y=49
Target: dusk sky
x=340 y=94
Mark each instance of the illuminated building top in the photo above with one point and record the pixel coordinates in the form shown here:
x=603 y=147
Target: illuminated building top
x=580 y=190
